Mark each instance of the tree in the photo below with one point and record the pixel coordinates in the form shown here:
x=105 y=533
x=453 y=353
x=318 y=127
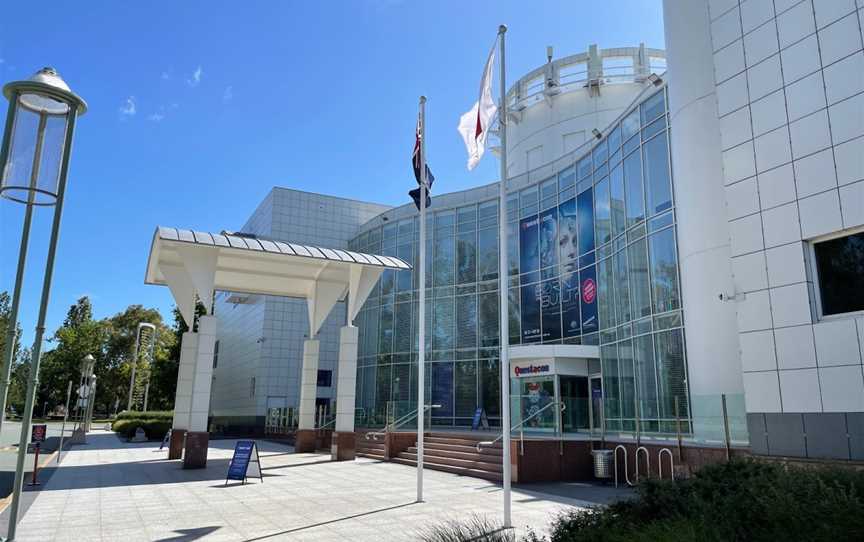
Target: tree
x=5 y=310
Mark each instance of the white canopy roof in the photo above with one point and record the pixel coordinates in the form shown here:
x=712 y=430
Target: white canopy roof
x=193 y=263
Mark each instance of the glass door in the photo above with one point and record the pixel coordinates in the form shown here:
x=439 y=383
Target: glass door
x=574 y=395
x=596 y=403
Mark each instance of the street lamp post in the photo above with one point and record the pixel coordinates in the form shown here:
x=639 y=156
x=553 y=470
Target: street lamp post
x=85 y=392
x=34 y=164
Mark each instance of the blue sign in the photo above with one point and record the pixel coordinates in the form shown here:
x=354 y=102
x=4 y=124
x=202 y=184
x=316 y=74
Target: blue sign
x=239 y=466
x=479 y=420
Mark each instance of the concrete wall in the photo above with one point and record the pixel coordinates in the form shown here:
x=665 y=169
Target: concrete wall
x=790 y=97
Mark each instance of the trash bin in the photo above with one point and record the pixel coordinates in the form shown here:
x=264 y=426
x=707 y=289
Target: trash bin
x=602 y=464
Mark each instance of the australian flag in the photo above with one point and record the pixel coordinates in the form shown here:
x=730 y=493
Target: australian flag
x=415 y=163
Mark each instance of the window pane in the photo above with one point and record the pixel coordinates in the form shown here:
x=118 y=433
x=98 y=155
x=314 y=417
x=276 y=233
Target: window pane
x=567 y=179
x=488 y=319
x=585 y=213
x=466 y=258
x=403 y=278
x=628 y=380
x=487 y=264
x=611 y=390
x=646 y=377
x=633 y=188
x=529 y=256
x=466 y=321
x=664 y=270
x=512 y=249
x=530 y=310
x=568 y=224
x=669 y=349
x=602 y=216
x=443 y=324
x=657 y=175
x=606 y=309
x=571 y=323
x=490 y=387
x=640 y=292
x=549 y=238
x=583 y=168
x=840 y=265
x=514 y=325
x=630 y=125
x=653 y=107
x=622 y=287
x=385 y=345
x=442 y=389
x=616 y=204
x=550 y=305
x=444 y=262
x=466 y=388
x=402 y=327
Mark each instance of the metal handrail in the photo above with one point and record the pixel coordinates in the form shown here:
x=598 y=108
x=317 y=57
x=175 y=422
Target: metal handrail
x=520 y=424
x=399 y=423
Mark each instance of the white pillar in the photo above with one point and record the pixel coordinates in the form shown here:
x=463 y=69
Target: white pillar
x=346 y=380
x=203 y=377
x=713 y=364
x=185 y=376
x=308 y=384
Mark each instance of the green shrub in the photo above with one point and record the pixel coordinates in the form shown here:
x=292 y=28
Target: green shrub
x=154 y=428
x=150 y=414
x=740 y=500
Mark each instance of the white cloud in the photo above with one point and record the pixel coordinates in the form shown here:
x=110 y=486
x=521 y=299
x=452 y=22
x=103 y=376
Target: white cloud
x=228 y=95
x=156 y=117
x=196 y=77
x=128 y=108
x=166 y=76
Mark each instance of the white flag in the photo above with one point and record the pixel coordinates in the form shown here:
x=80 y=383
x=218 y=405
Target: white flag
x=474 y=125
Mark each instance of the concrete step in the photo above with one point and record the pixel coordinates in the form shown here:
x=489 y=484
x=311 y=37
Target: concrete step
x=462 y=471
x=494 y=451
x=459 y=441
x=471 y=463
x=494 y=459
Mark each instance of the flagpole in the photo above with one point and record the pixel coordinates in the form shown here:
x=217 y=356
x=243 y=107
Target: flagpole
x=504 y=340
x=421 y=355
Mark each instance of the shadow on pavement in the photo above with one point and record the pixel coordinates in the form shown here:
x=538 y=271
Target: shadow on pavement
x=328 y=522
x=187 y=535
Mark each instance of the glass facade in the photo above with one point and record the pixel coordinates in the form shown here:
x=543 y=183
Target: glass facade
x=592 y=259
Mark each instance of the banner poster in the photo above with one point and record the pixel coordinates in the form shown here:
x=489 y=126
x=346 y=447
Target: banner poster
x=530 y=308
x=588 y=297
x=528 y=250
x=585 y=212
x=548 y=238
x=570 y=318
x=550 y=305
x=568 y=225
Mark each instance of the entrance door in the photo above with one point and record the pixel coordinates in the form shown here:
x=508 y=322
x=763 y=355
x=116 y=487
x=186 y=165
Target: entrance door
x=574 y=395
x=596 y=403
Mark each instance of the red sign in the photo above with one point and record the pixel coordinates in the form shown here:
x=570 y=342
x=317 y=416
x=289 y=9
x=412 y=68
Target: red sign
x=589 y=291
x=38 y=433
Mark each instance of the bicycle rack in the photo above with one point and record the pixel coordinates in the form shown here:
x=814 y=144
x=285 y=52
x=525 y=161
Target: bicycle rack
x=626 y=475
x=647 y=462
x=660 y=463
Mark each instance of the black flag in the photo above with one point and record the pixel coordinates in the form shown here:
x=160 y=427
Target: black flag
x=415 y=163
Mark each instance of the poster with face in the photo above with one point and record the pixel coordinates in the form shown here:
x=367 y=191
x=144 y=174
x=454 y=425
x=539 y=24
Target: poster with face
x=588 y=298
x=548 y=238
x=528 y=240
x=530 y=309
x=567 y=239
x=535 y=399
x=570 y=318
x=585 y=206
x=550 y=305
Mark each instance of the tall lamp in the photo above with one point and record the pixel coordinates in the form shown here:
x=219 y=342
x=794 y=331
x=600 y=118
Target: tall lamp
x=34 y=163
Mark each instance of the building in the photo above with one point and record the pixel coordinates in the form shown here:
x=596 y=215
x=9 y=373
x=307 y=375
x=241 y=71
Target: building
x=686 y=252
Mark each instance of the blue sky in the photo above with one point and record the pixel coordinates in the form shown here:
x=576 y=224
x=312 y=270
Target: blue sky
x=197 y=109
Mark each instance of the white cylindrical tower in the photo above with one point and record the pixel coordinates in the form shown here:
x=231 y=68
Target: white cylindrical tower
x=710 y=320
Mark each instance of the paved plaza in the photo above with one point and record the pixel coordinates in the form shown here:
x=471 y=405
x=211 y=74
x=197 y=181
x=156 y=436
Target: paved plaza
x=112 y=490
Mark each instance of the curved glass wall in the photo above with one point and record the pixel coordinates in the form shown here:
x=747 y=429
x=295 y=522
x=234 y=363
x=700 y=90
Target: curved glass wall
x=592 y=260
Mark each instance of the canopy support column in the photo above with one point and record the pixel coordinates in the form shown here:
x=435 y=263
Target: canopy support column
x=343 y=444
x=197 y=437
x=183 y=395
x=305 y=440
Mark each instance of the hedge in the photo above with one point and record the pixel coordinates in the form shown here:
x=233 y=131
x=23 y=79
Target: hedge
x=744 y=500
x=154 y=423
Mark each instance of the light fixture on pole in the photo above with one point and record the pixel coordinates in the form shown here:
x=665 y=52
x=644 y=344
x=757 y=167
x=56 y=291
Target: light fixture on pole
x=79 y=434
x=34 y=163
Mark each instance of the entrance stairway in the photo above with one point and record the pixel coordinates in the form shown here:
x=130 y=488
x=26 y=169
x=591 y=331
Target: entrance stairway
x=456 y=453
x=373 y=449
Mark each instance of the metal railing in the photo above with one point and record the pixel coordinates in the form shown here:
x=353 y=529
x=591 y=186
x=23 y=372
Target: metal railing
x=395 y=424
x=644 y=451
x=521 y=427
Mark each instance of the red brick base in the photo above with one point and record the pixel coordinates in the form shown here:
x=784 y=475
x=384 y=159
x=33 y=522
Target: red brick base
x=175 y=445
x=195 y=453
x=343 y=446
x=304 y=441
